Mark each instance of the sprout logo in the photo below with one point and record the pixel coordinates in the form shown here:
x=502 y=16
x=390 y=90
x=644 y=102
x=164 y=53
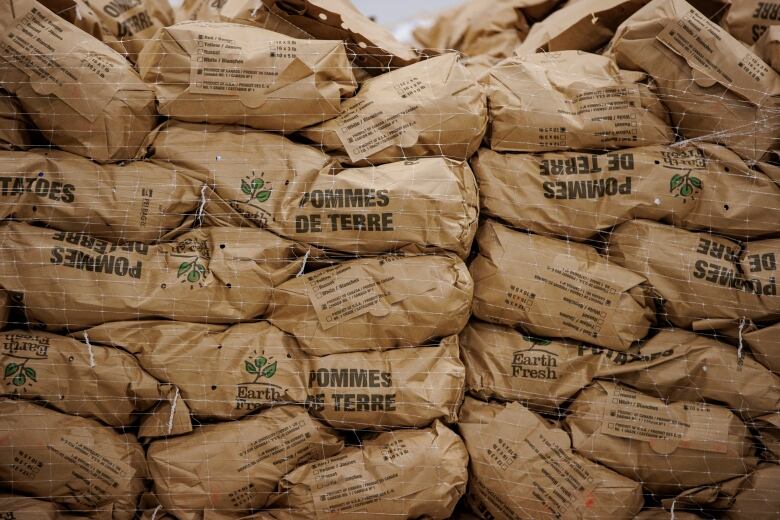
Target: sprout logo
x=259 y=391
x=259 y=369
x=685 y=185
x=192 y=270
x=19 y=373
x=256 y=189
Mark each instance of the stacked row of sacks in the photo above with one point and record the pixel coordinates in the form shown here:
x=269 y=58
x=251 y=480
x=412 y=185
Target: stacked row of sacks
x=233 y=344
x=212 y=317
x=622 y=353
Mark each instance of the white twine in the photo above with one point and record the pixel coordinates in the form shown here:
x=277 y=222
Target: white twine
x=89 y=349
x=173 y=410
x=202 y=203
x=303 y=266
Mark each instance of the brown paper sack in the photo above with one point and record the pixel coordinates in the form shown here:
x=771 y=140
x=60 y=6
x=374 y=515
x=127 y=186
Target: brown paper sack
x=572 y=100
x=474 y=30
x=666 y=447
x=17 y=507
x=715 y=88
x=101 y=383
x=700 y=276
x=768 y=47
x=236 y=74
x=764 y=343
x=228 y=372
x=579 y=25
x=759 y=497
x=678 y=365
x=223 y=372
x=123 y=26
x=76 y=462
x=375 y=303
x=695 y=186
x=558 y=289
x=502 y=363
x=748 y=20
x=102 y=111
x=265 y=180
x=16 y=129
x=407 y=387
x=251 y=12
x=754 y=496
x=404 y=474
x=523 y=467
x=433 y=107
x=136 y=201
x=767 y=430
x=228 y=469
x=216 y=275
x=426 y=205
x=375 y=48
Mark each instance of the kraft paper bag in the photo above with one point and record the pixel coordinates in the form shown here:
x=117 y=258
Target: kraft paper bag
x=225 y=470
x=131 y=201
x=374 y=303
x=764 y=343
x=425 y=205
x=76 y=462
x=667 y=447
x=577 y=195
x=374 y=47
x=124 y=26
x=557 y=289
x=404 y=474
x=571 y=100
x=683 y=366
x=504 y=364
x=715 y=88
x=90 y=101
x=768 y=47
x=258 y=179
x=210 y=275
x=748 y=20
x=520 y=463
x=228 y=372
x=227 y=73
x=102 y=383
x=476 y=31
x=430 y=108
x=578 y=25
x=700 y=276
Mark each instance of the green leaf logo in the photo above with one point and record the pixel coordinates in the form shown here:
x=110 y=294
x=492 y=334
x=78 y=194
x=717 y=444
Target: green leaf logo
x=19 y=373
x=269 y=371
x=260 y=368
x=10 y=369
x=256 y=190
x=537 y=341
x=684 y=185
x=191 y=271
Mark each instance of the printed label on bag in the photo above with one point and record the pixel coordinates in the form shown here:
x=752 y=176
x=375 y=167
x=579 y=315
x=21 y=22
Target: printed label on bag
x=632 y=415
x=59 y=61
x=710 y=50
x=554 y=477
x=344 y=292
x=219 y=67
x=585 y=301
